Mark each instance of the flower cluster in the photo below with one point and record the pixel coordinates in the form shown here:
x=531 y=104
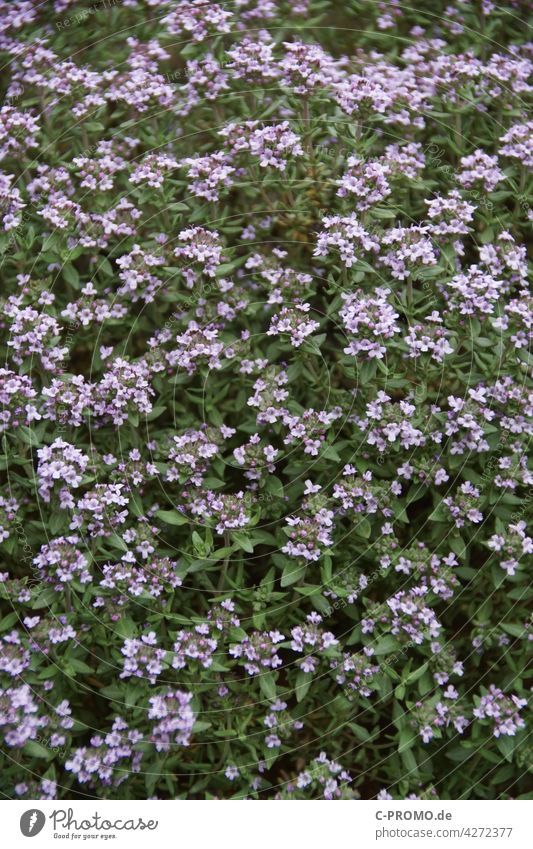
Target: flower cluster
x=502 y=711
x=62 y=562
x=371 y=319
x=142 y=658
x=329 y=778
x=175 y=719
x=266 y=400
x=310 y=532
x=109 y=758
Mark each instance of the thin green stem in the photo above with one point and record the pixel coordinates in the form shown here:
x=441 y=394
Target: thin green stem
x=225 y=564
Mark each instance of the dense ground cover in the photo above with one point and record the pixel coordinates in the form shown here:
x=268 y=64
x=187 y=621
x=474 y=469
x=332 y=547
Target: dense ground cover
x=266 y=399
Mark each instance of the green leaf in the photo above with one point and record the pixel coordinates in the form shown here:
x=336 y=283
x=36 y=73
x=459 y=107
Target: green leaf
x=172 y=517
x=267 y=683
x=515 y=630
x=359 y=732
x=243 y=541
x=409 y=763
x=274 y=486
x=387 y=645
x=406 y=739
x=125 y=628
x=178 y=207
x=36 y=750
x=416 y=674
x=291 y=573
x=44 y=599
x=506 y=745
x=118 y=542
x=105 y=266
x=363 y=528
x=70 y=274
x=303 y=683
x=156 y=412
x=80 y=666
x=330 y=454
